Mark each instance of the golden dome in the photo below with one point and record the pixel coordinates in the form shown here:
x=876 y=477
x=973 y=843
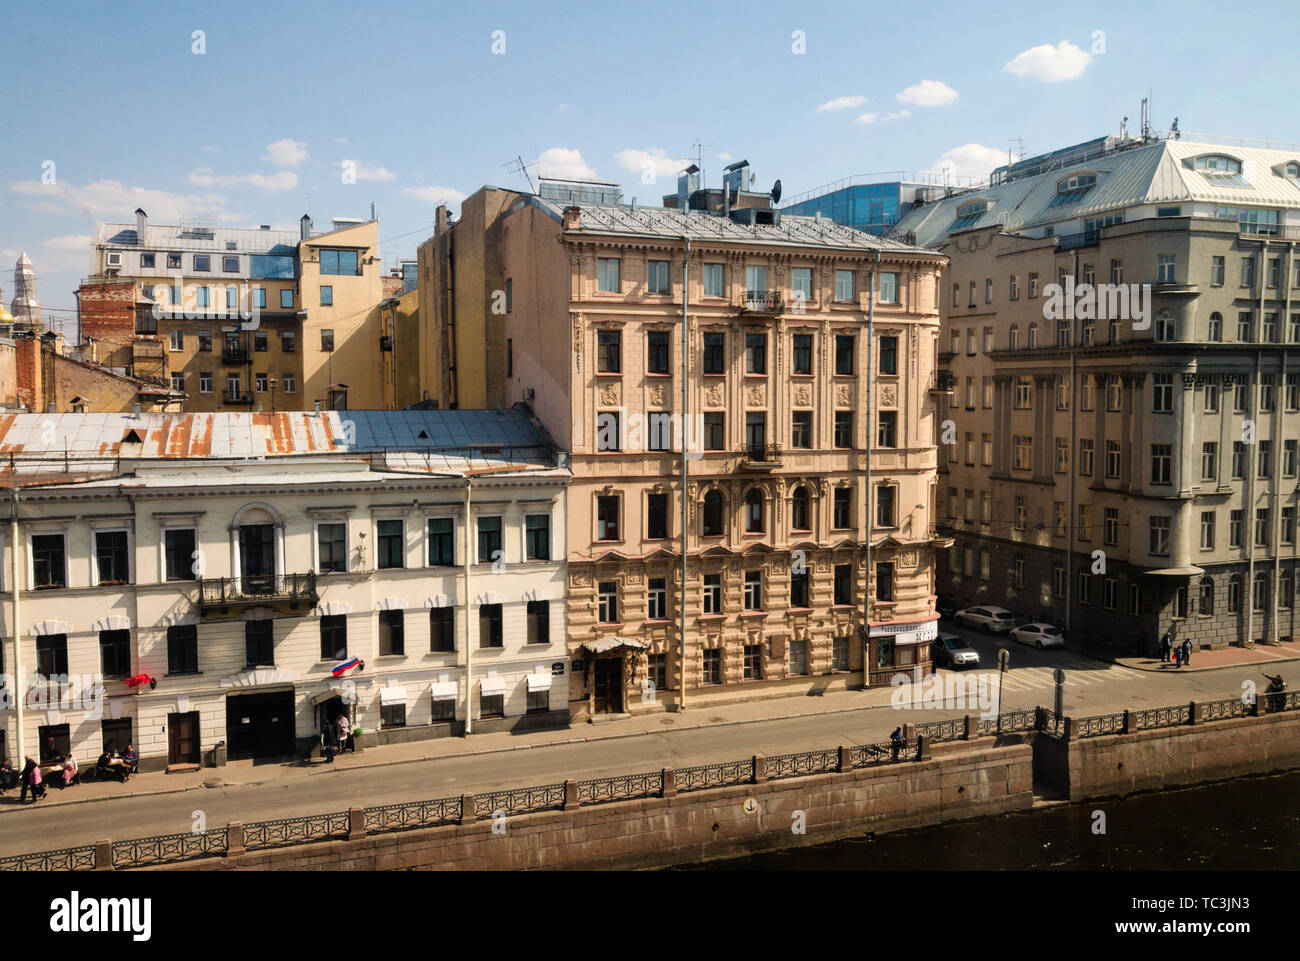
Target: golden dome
x=6 y=317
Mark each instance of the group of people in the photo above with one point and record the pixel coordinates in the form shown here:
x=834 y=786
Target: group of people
x=1180 y=654
x=336 y=738
x=62 y=770
x=120 y=766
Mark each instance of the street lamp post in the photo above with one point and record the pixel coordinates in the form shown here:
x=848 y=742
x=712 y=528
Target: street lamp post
x=273 y=384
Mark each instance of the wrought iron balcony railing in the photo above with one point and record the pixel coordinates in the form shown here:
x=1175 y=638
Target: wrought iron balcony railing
x=761 y=301
x=258 y=589
x=236 y=396
x=762 y=455
x=234 y=356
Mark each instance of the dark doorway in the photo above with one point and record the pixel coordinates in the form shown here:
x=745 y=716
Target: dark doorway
x=183 y=738
x=257 y=558
x=259 y=725
x=609 y=685
x=327 y=712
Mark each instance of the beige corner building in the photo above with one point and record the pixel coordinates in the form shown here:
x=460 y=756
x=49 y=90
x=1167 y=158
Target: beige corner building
x=803 y=569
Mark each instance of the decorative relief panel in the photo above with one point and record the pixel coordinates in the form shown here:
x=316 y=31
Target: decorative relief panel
x=888 y=395
x=803 y=396
x=843 y=395
x=756 y=395
x=713 y=395
x=609 y=394
x=657 y=393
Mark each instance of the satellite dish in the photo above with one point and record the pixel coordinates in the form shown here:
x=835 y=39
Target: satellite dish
x=776 y=192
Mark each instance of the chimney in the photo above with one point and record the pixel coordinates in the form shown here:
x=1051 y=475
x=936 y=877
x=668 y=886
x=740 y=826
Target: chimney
x=440 y=219
x=135 y=410
x=304 y=227
x=317 y=410
x=572 y=218
x=141 y=222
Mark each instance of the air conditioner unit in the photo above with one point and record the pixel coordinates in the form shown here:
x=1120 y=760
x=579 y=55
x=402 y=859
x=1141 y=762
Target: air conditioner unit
x=111 y=272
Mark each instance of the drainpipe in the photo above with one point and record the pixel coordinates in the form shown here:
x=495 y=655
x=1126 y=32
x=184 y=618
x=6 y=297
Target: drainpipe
x=469 y=677
x=866 y=542
x=681 y=595
x=16 y=691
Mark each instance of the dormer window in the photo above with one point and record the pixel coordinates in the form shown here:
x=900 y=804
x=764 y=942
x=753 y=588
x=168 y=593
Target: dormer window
x=970 y=212
x=1071 y=189
x=1218 y=164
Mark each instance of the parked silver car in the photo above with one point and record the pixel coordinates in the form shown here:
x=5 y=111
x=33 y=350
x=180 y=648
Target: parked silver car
x=988 y=618
x=949 y=650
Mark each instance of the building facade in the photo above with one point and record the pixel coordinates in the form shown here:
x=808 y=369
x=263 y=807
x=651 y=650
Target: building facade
x=229 y=563
x=1121 y=438
x=788 y=536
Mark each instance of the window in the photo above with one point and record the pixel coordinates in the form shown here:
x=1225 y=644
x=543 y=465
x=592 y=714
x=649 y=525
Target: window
x=442 y=629
x=887 y=429
x=1289 y=458
x=801 y=429
x=1261 y=591
x=1110 y=588
x=609 y=431
x=1134 y=599
x=1234 y=594
x=1165 y=268
x=844 y=354
x=326 y=297
x=799 y=510
x=756 y=353
x=711 y=515
x=1085 y=456
x=202 y=297
x=756 y=282
x=984 y=564
x=1262 y=530
x=1206 y=601
x=1287 y=533
x=390 y=547
x=656 y=516
x=712 y=593
x=1238 y=460
x=607 y=596
x=1110 y=526
x=286 y=299
x=1023 y=451
x=1248 y=271
x=178 y=548
x=392 y=633
x=885 y=581
x=115 y=653
x=538 y=615
x=287 y=341
x=1013 y=287
x=259 y=340
x=1212 y=396
x=289 y=383
x=799 y=588
x=888 y=287
x=843 y=286
x=657 y=281
x=971 y=302
x=326 y=340
x=1162 y=393
x=1161 y=460
x=1293 y=391
x=714 y=361
x=754 y=512
x=842 y=508
x=607 y=517
x=1244 y=324
x=657 y=599
x=1234 y=528
x=1166 y=326
x=986 y=450
x=843 y=586
x=609 y=351
x=1024 y=393
x=888 y=355
x=491 y=705
x=753 y=590
x=48 y=561
x=260 y=383
x=712 y=665
x=713 y=280
x=392 y=715
x=490 y=626
x=1159 y=530
x=1267 y=392
x=607 y=279
x=183 y=649
x=537 y=537
x=1021 y=520
x=1268 y=330
x=843 y=429
x=1241 y=400
x=657 y=352
x=885 y=497
x=442 y=551
x=202 y=263
x=1085 y=522
x=1209 y=460
x=489 y=539
x=801 y=355
x=339 y=262
x=1114 y=393
x=657 y=670
x=333 y=636
x=1264 y=462
x=1033 y=285
x=112 y=560
x=1062 y=455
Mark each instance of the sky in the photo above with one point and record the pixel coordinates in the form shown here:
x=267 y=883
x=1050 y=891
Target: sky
x=244 y=113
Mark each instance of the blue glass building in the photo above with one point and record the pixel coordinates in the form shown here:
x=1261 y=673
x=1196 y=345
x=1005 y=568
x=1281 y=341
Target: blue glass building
x=873 y=207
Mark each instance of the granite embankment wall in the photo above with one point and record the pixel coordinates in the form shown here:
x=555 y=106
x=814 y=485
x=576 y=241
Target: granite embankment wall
x=958 y=781
x=1119 y=764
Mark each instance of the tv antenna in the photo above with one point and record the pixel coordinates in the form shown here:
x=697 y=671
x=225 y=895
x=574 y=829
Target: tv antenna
x=1020 y=145
x=517 y=166
x=699 y=148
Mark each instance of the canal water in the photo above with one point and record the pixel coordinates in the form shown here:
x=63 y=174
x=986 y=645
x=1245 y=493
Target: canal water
x=1242 y=825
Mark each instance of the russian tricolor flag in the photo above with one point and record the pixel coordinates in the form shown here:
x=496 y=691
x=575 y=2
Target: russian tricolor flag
x=345 y=666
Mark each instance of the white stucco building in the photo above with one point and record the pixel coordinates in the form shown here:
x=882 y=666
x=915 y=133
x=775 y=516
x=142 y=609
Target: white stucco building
x=237 y=559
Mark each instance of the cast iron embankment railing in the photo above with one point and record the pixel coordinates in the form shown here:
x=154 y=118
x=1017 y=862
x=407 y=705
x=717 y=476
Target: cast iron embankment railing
x=262 y=835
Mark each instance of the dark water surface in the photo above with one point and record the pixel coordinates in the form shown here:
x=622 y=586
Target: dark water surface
x=1248 y=824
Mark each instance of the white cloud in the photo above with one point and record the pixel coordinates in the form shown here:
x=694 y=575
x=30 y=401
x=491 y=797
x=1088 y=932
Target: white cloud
x=365 y=171
x=286 y=152
x=114 y=201
x=435 y=195
x=883 y=117
x=655 y=159
x=212 y=149
x=928 y=93
x=563 y=107
x=78 y=242
x=342 y=140
x=725 y=157
x=1050 y=64
x=280 y=180
x=562 y=163
x=971 y=160
x=841 y=103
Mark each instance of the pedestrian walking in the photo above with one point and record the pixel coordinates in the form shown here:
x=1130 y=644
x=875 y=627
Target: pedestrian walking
x=896 y=742
x=1166 y=645
x=1187 y=653
x=1178 y=656
x=1276 y=699
x=25 y=778
x=38 y=784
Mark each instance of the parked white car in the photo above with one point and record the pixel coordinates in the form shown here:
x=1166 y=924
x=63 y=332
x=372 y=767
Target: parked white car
x=989 y=619
x=1040 y=635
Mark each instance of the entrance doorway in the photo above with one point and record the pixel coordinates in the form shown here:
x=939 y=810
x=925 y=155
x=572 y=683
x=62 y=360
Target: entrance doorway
x=257 y=558
x=608 y=685
x=260 y=725
x=183 y=738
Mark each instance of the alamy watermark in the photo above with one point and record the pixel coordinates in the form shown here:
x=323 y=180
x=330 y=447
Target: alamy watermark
x=1086 y=301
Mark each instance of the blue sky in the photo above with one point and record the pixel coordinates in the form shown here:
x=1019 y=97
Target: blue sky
x=414 y=95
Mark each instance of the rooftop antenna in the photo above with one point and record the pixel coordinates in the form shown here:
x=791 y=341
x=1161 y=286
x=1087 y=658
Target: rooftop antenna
x=517 y=166
x=1123 y=129
x=698 y=147
x=1020 y=143
x=308 y=196
x=1146 y=116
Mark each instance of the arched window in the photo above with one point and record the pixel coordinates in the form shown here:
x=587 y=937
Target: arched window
x=984 y=563
x=1166 y=326
x=1018 y=571
x=1015 y=336
x=1293 y=171
x=1032 y=340
x=799 y=510
x=1218 y=164
x=754 y=511
x=712 y=514
x=1206 y=603
x=1216 y=327
x=1285 y=587
x=1234 y=594
x=1261 y=591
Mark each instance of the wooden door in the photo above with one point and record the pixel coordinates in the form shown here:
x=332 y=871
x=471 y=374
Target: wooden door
x=183 y=738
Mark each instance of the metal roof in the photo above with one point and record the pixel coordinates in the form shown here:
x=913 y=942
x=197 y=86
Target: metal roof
x=247 y=240
x=1160 y=172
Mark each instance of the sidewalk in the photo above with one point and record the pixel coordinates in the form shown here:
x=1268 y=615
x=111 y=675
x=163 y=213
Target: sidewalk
x=1267 y=656
x=251 y=773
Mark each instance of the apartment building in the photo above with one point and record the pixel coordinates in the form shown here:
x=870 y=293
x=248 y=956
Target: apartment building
x=191 y=579
x=804 y=568
x=241 y=318
x=1121 y=322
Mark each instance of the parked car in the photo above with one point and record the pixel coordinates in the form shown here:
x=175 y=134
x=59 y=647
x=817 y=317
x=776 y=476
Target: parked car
x=1040 y=635
x=949 y=650
x=989 y=619
x=946 y=606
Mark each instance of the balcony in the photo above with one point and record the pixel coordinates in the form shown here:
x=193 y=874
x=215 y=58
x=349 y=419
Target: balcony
x=760 y=302
x=233 y=396
x=942 y=382
x=234 y=356
x=1086 y=238
x=760 y=457
x=219 y=594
